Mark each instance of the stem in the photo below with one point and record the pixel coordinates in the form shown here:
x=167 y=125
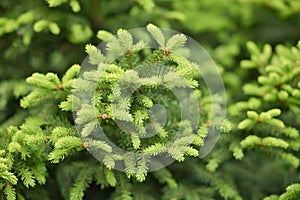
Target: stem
x=95 y=16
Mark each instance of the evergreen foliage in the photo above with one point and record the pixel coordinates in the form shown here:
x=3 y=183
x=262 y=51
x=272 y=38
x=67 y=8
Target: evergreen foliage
x=46 y=154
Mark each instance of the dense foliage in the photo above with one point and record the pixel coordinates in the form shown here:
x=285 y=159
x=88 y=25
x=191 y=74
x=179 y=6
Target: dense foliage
x=43 y=155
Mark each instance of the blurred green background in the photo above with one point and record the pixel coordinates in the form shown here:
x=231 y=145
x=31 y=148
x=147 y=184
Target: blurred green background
x=37 y=38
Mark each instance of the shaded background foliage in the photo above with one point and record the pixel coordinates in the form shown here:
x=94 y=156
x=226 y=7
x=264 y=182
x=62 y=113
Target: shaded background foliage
x=50 y=36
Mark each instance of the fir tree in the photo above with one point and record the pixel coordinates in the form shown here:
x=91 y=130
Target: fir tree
x=45 y=154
